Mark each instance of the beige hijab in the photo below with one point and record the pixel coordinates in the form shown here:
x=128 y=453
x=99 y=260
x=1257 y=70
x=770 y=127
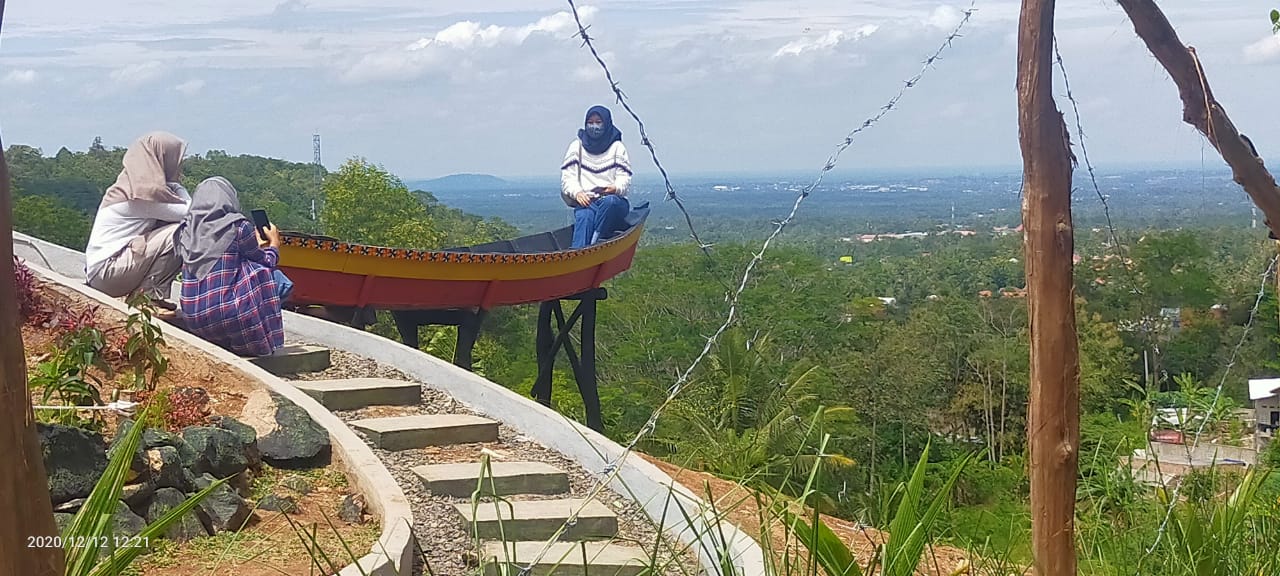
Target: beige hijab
x=149 y=165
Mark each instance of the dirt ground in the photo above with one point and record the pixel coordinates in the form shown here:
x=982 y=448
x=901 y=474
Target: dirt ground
x=738 y=504
x=270 y=545
x=226 y=387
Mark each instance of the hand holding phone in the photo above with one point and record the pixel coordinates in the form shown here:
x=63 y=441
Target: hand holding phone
x=261 y=222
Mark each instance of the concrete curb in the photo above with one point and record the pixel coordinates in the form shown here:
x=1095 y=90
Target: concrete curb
x=393 y=553
x=664 y=500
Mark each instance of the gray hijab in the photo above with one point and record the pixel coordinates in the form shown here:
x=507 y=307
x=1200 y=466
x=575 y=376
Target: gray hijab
x=209 y=227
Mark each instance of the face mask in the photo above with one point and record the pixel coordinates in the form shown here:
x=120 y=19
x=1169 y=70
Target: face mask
x=595 y=130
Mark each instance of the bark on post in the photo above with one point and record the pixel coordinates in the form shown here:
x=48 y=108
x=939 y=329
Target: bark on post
x=24 y=490
x=1200 y=109
x=1053 y=423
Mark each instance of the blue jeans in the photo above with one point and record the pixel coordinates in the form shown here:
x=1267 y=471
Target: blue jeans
x=605 y=217
x=284 y=286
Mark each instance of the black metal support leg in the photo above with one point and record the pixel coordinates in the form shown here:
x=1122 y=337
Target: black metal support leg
x=554 y=337
x=587 y=373
x=565 y=329
x=407 y=326
x=546 y=354
x=468 y=331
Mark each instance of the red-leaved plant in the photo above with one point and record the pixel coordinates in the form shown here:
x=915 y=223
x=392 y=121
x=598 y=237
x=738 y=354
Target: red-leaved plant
x=74 y=319
x=182 y=406
x=31 y=306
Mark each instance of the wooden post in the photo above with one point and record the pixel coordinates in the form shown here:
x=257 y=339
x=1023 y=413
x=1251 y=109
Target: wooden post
x=1201 y=109
x=24 y=489
x=1053 y=422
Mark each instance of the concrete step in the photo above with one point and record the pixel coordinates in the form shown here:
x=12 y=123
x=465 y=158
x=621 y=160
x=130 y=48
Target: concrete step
x=294 y=359
x=539 y=520
x=355 y=393
x=565 y=559
x=406 y=432
x=508 y=478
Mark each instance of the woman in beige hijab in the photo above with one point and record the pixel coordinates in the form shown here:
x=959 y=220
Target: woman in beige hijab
x=131 y=246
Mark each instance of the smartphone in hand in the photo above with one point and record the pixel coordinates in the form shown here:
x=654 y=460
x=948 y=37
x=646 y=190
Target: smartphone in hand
x=261 y=222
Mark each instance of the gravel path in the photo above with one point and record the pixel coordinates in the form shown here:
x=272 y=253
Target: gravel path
x=440 y=532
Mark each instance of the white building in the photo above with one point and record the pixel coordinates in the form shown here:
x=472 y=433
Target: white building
x=1265 y=395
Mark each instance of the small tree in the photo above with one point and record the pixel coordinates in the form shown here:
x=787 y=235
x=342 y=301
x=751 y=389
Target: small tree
x=367 y=204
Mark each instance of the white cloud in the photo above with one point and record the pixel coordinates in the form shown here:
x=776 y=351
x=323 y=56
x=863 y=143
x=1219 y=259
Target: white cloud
x=400 y=64
x=590 y=71
x=824 y=42
x=454 y=43
x=190 y=87
x=945 y=17
x=1264 y=50
x=445 y=62
x=136 y=74
x=467 y=34
x=20 y=77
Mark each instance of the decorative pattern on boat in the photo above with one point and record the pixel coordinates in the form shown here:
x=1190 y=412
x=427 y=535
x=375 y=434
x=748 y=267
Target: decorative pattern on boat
x=446 y=257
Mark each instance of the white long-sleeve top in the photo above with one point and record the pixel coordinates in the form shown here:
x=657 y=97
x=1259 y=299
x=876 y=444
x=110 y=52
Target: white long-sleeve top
x=118 y=224
x=583 y=171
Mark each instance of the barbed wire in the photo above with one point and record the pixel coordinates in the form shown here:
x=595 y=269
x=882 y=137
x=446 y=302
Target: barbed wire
x=1114 y=237
x=1119 y=247
x=1204 y=420
x=613 y=468
x=644 y=136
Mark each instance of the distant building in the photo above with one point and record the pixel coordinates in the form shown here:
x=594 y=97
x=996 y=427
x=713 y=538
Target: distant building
x=1265 y=395
x=1173 y=316
x=1005 y=230
x=1013 y=292
x=1169 y=456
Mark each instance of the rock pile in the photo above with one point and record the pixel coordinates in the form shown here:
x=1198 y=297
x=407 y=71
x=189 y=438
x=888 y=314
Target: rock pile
x=169 y=468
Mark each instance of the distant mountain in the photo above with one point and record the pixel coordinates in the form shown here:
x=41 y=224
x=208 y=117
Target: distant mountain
x=460 y=182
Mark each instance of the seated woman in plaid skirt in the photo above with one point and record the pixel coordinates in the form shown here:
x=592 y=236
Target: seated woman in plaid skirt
x=231 y=289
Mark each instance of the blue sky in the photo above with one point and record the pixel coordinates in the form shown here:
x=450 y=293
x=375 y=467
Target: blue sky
x=499 y=86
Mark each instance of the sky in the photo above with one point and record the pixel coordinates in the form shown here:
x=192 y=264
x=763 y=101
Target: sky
x=429 y=88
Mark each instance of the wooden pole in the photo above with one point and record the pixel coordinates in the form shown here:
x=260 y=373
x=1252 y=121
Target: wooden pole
x=1053 y=423
x=1201 y=109
x=24 y=488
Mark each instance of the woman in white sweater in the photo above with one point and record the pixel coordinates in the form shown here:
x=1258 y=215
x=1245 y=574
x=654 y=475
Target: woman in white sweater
x=594 y=179
x=131 y=246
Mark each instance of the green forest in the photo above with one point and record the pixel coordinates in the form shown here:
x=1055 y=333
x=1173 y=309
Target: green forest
x=917 y=343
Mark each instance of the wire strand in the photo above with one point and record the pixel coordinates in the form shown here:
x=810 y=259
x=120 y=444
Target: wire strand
x=1217 y=395
x=612 y=469
x=644 y=136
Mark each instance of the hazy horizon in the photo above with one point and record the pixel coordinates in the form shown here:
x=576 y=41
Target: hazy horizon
x=444 y=87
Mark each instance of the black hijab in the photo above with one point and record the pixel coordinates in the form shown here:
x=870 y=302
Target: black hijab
x=611 y=133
